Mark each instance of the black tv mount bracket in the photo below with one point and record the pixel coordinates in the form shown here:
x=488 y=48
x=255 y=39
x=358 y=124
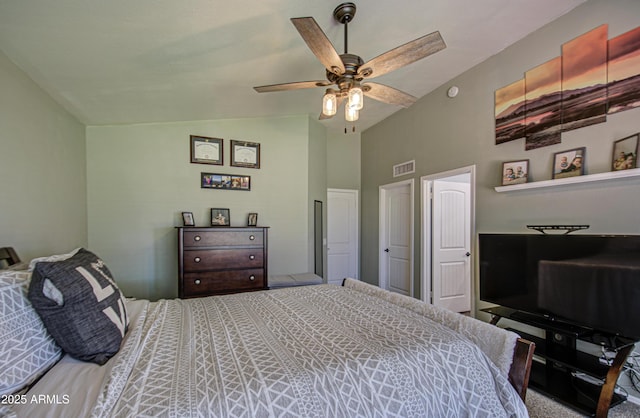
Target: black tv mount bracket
x=567 y=228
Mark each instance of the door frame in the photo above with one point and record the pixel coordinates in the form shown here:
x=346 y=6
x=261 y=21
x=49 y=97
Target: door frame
x=382 y=236
x=426 y=231
x=356 y=194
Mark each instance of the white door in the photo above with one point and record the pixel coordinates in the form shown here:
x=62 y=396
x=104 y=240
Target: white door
x=451 y=243
x=396 y=237
x=342 y=235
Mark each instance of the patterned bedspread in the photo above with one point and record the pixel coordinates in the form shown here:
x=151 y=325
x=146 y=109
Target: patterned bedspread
x=314 y=351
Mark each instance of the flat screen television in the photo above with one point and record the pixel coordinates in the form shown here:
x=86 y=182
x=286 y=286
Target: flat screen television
x=591 y=281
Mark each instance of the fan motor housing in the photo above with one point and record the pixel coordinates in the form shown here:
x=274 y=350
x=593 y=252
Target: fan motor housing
x=351 y=64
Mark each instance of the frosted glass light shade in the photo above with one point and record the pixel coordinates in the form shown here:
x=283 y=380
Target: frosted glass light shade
x=329 y=104
x=351 y=114
x=356 y=98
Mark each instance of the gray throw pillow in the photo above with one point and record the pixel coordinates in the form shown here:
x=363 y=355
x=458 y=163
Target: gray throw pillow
x=81 y=306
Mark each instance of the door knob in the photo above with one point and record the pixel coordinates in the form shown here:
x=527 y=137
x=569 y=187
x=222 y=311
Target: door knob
x=467 y=253
x=386 y=250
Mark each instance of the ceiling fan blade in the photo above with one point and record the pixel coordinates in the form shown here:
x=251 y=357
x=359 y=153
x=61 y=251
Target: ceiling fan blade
x=319 y=44
x=292 y=86
x=403 y=55
x=388 y=94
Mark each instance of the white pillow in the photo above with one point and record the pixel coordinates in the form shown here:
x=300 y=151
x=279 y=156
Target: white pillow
x=27 y=350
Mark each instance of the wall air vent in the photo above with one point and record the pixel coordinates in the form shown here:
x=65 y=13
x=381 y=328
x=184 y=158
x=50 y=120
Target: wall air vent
x=404 y=168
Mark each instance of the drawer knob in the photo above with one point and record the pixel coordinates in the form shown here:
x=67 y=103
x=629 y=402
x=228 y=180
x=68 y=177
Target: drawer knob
x=252 y=277
x=197 y=259
x=252 y=257
x=197 y=281
x=197 y=238
x=252 y=237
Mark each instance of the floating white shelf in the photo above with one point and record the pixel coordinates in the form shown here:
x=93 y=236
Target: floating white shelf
x=589 y=178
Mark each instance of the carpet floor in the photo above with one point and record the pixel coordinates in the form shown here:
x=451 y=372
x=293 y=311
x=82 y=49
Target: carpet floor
x=540 y=406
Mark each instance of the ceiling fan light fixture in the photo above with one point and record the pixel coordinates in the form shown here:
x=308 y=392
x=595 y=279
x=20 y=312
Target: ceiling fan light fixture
x=346 y=71
x=351 y=114
x=329 y=103
x=355 y=98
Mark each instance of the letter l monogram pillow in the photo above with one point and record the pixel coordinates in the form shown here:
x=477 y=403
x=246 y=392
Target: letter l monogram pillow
x=80 y=305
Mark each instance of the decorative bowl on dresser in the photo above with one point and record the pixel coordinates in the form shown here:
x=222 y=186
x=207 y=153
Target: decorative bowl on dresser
x=221 y=260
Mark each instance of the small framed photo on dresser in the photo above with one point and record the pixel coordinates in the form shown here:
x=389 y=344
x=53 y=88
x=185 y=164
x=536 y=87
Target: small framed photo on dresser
x=187 y=219
x=220 y=217
x=252 y=219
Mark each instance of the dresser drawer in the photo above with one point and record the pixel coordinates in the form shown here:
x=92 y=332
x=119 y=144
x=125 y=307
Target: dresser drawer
x=203 y=260
x=223 y=238
x=203 y=284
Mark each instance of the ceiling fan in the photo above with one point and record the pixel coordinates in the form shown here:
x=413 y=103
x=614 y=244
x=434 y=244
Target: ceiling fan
x=346 y=72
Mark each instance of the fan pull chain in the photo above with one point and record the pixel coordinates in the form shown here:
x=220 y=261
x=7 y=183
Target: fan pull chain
x=353 y=129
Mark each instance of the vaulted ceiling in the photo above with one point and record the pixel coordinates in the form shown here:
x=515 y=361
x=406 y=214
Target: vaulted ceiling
x=138 y=61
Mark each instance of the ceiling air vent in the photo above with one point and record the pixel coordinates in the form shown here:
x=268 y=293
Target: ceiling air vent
x=404 y=168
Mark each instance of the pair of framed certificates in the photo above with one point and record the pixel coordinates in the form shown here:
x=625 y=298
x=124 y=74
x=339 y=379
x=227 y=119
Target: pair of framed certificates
x=205 y=150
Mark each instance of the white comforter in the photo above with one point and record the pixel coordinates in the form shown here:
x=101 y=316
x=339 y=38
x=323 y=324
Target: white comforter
x=324 y=351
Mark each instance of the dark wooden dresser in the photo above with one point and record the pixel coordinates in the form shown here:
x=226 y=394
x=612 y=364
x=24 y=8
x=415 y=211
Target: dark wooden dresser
x=220 y=260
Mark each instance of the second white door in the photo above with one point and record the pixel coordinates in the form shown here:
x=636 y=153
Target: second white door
x=396 y=237
x=342 y=235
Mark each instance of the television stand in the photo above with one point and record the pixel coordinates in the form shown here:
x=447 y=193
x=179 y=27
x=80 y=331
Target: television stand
x=571 y=377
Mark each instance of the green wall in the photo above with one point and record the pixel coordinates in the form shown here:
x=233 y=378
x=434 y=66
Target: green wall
x=443 y=134
x=43 y=207
x=343 y=157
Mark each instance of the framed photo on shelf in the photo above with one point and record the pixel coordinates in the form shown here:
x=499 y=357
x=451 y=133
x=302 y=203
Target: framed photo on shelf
x=225 y=181
x=569 y=163
x=245 y=154
x=206 y=150
x=625 y=153
x=220 y=217
x=515 y=172
x=187 y=219
x=252 y=219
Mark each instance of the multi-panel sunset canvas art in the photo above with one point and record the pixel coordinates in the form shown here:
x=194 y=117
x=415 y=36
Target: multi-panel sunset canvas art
x=624 y=71
x=592 y=78
x=509 y=112
x=543 y=104
x=584 y=80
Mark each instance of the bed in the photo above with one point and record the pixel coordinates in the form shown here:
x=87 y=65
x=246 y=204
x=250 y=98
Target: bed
x=320 y=350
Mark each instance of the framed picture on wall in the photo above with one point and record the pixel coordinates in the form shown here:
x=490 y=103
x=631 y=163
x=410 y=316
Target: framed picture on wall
x=220 y=217
x=225 y=181
x=569 y=163
x=515 y=172
x=625 y=153
x=245 y=154
x=205 y=150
